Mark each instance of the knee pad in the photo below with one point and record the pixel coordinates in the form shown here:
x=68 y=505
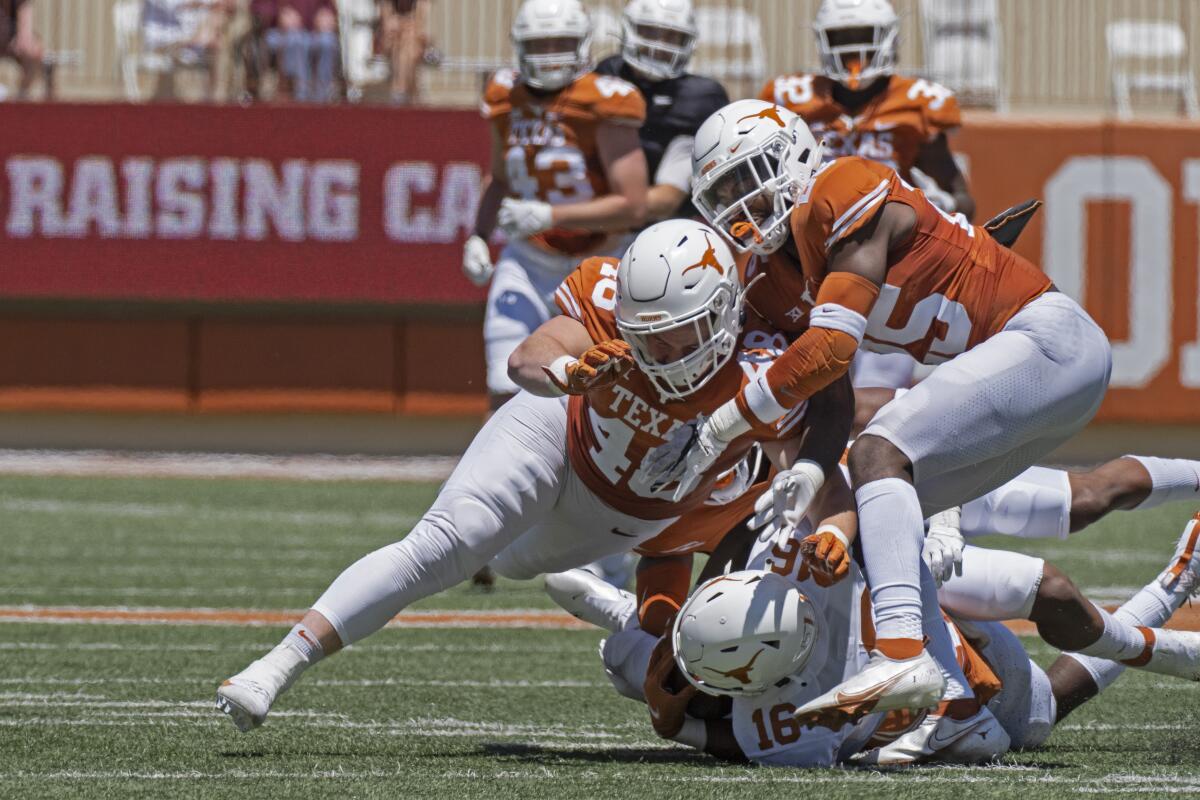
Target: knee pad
x=1034 y=505
x=1025 y=705
x=995 y=585
x=626 y=657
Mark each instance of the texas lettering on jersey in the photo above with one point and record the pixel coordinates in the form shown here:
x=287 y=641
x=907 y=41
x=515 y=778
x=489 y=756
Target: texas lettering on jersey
x=550 y=143
x=891 y=129
x=948 y=288
x=611 y=430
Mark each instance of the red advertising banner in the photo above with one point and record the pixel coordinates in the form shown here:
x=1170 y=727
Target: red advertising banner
x=179 y=202
x=370 y=205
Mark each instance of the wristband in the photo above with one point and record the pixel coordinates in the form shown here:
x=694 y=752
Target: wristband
x=837 y=532
x=693 y=733
x=727 y=422
x=558 y=368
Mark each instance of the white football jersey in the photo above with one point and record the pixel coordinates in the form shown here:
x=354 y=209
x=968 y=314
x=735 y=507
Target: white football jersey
x=763 y=724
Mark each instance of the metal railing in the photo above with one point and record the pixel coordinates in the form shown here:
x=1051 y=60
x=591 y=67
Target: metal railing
x=1037 y=56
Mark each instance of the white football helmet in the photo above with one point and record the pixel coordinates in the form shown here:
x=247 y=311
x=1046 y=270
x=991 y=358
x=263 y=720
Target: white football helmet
x=752 y=163
x=857 y=40
x=547 y=21
x=742 y=633
x=679 y=305
x=658 y=37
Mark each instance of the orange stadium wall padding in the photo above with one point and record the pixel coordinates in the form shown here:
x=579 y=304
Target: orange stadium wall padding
x=225 y=259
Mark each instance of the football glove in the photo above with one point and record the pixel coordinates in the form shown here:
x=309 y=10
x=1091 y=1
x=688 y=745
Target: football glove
x=684 y=457
x=477 y=261
x=943 y=550
x=599 y=366
x=827 y=554
x=521 y=219
x=788 y=498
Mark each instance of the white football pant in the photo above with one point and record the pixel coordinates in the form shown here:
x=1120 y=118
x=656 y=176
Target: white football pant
x=512 y=500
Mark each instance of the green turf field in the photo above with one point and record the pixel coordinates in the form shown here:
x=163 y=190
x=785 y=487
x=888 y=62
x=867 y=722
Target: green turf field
x=125 y=710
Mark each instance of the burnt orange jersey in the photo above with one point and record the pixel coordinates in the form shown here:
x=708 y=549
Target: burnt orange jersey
x=948 y=288
x=550 y=143
x=610 y=430
x=702 y=529
x=890 y=129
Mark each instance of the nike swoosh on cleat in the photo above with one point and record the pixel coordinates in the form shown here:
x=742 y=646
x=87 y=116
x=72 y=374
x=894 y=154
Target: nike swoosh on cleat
x=623 y=533
x=938 y=742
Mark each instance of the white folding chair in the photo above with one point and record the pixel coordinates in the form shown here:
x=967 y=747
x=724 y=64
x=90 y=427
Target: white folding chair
x=1132 y=43
x=361 y=67
x=963 y=49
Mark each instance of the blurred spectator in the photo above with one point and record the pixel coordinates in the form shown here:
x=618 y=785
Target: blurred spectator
x=191 y=33
x=19 y=42
x=302 y=34
x=405 y=40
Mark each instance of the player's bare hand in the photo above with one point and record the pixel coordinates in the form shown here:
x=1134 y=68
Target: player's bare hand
x=599 y=366
x=667 y=706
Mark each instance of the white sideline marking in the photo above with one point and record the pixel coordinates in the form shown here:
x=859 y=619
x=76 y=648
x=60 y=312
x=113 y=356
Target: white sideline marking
x=35 y=505
x=428 y=647
x=225 y=465
x=38 y=680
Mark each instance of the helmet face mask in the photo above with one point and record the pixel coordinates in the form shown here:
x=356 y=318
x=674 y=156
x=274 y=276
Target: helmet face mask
x=752 y=163
x=658 y=37
x=749 y=199
x=552 y=41
x=857 y=40
x=681 y=355
x=743 y=633
x=679 y=305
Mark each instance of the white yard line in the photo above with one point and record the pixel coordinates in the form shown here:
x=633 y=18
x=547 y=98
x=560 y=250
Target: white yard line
x=41 y=680
x=428 y=647
x=100 y=508
x=110 y=463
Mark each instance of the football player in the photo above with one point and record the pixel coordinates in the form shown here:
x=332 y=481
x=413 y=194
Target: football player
x=818 y=629
x=860 y=107
x=657 y=40
x=555 y=478
x=852 y=254
x=568 y=176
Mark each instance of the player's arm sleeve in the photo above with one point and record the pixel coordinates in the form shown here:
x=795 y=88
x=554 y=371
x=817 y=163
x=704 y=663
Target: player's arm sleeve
x=675 y=169
x=820 y=355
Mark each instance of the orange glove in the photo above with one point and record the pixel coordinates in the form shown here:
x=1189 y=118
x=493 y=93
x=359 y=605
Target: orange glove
x=667 y=707
x=826 y=554
x=599 y=366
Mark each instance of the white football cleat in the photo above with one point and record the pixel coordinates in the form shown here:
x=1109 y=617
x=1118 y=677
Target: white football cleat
x=884 y=684
x=1174 y=653
x=248 y=696
x=592 y=599
x=1183 y=573
x=974 y=740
